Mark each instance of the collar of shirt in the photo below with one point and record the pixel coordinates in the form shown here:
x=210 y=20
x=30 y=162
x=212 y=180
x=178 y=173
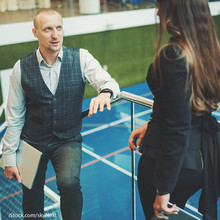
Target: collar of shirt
x=41 y=60
x=50 y=73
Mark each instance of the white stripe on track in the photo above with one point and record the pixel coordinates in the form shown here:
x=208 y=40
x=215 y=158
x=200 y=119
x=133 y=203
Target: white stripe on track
x=216 y=113
x=102 y=127
x=2 y=127
x=193 y=209
x=108 y=162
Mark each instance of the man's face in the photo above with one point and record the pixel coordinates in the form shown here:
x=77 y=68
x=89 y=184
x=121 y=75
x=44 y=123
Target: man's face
x=49 y=31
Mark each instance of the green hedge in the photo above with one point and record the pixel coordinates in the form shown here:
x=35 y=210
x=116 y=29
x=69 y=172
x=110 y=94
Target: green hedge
x=126 y=52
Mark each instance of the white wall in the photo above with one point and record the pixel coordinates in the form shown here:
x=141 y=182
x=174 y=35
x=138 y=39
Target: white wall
x=21 y=32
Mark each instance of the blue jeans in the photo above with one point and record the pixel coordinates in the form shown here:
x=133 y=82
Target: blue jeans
x=65 y=157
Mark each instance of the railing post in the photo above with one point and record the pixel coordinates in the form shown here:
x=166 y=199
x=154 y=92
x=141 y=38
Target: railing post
x=133 y=168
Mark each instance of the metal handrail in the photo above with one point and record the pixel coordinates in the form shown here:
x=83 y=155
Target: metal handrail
x=137 y=99
x=133 y=99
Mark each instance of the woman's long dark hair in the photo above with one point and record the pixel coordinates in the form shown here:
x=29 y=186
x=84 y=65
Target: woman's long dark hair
x=190 y=24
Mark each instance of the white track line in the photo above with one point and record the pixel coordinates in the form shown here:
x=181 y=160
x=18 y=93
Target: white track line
x=53 y=196
x=102 y=127
x=2 y=127
x=216 y=113
x=193 y=209
x=107 y=162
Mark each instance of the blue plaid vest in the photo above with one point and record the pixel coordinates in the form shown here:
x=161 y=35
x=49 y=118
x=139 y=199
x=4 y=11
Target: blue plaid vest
x=49 y=115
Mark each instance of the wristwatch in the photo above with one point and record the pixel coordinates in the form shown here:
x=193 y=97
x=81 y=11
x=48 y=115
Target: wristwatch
x=161 y=193
x=107 y=91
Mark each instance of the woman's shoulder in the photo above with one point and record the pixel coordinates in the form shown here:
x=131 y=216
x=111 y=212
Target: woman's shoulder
x=172 y=61
x=172 y=56
x=171 y=51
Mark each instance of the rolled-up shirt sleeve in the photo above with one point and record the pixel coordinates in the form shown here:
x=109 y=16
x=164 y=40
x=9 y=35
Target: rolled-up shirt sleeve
x=97 y=77
x=15 y=116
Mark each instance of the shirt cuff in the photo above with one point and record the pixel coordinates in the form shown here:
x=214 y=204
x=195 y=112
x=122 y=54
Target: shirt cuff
x=161 y=193
x=9 y=160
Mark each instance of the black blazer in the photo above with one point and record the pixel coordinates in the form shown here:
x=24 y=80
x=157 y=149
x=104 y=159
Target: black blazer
x=173 y=135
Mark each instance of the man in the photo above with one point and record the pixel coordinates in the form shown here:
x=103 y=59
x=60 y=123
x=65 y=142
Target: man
x=44 y=109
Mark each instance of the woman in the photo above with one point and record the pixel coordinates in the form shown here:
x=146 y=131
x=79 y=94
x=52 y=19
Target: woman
x=185 y=81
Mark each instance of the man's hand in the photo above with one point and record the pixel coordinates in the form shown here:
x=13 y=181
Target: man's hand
x=12 y=173
x=99 y=102
x=161 y=207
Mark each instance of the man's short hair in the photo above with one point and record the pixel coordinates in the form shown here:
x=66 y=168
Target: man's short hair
x=44 y=11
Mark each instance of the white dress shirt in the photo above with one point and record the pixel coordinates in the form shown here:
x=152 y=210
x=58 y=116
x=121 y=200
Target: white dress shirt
x=91 y=70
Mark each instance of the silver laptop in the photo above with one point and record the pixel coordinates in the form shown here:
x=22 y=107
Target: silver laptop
x=182 y=215
x=28 y=159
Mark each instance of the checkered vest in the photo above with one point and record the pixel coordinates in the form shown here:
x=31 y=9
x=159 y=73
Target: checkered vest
x=49 y=115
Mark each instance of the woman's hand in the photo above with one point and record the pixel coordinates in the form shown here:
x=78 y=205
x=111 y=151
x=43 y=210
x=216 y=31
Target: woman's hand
x=161 y=207
x=137 y=134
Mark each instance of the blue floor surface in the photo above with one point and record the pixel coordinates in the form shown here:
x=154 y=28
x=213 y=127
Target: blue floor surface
x=106 y=162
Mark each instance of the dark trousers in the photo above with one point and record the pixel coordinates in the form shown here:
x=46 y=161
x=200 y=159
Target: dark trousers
x=188 y=183
x=66 y=160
